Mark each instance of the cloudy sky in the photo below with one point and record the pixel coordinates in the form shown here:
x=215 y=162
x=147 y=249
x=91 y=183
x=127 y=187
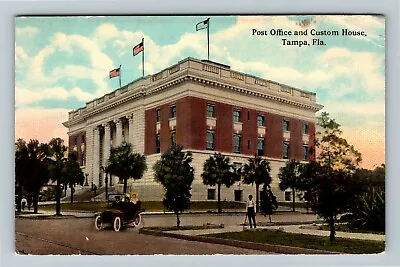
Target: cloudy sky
x=63 y=62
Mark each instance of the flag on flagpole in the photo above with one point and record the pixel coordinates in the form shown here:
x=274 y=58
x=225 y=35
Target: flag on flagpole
x=114 y=73
x=138 y=48
x=202 y=25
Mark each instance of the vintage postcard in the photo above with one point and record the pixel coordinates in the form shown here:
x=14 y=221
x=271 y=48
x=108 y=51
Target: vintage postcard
x=246 y=134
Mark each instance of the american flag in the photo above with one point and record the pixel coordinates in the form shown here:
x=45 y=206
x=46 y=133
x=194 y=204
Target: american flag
x=138 y=48
x=114 y=73
x=202 y=25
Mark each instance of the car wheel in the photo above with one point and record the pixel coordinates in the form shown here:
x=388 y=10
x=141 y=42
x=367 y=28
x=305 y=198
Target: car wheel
x=97 y=222
x=137 y=220
x=117 y=224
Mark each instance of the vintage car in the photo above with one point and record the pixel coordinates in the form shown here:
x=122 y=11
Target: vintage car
x=121 y=212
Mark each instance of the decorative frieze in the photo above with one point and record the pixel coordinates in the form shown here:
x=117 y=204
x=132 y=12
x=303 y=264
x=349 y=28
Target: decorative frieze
x=174 y=69
x=306 y=95
x=210 y=68
x=157 y=76
x=237 y=76
x=261 y=82
x=100 y=100
x=111 y=95
x=286 y=89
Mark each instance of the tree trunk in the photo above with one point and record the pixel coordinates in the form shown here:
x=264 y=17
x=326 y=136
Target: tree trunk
x=35 y=201
x=19 y=198
x=72 y=194
x=178 y=222
x=106 y=186
x=219 y=199
x=58 y=199
x=332 y=228
x=125 y=185
x=294 y=198
x=257 y=197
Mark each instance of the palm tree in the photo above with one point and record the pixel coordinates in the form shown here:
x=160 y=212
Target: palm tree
x=57 y=159
x=289 y=178
x=257 y=171
x=72 y=174
x=176 y=175
x=217 y=171
x=125 y=164
x=31 y=169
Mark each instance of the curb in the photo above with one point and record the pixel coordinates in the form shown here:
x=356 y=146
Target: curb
x=241 y=244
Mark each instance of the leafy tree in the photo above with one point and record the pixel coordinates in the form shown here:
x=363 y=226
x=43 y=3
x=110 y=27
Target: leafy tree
x=268 y=201
x=174 y=172
x=72 y=174
x=257 y=171
x=31 y=169
x=218 y=171
x=125 y=164
x=289 y=178
x=329 y=192
x=335 y=151
x=368 y=204
x=57 y=151
x=307 y=182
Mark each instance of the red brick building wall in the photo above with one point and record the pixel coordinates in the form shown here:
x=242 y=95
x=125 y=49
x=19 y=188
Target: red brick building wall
x=274 y=135
x=191 y=127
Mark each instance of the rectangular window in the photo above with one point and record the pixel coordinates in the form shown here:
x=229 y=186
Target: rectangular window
x=238 y=195
x=210 y=140
x=211 y=194
x=210 y=111
x=286 y=126
x=236 y=143
x=248 y=115
x=75 y=140
x=236 y=115
x=158 y=115
x=248 y=144
x=83 y=139
x=260 y=120
x=173 y=138
x=288 y=196
x=158 y=143
x=286 y=150
x=305 y=152
x=305 y=128
x=173 y=111
x=83 y=159
x=260 y=146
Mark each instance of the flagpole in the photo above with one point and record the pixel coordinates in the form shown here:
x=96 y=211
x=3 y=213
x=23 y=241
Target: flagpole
x=143 y=58
x=120 y=74
x=208 y=39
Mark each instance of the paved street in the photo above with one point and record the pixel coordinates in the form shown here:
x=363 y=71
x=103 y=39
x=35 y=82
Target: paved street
x=78 y=236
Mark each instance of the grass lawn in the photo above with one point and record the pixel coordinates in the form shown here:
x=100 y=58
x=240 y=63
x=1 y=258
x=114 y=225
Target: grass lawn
x=346 y=228
x=147 y=205
x=352 y=246
x=189 y=227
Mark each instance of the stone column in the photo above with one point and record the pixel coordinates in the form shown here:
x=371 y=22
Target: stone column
x=118 y=134
x=107 y=143
x=131 y=132
x=96 y=156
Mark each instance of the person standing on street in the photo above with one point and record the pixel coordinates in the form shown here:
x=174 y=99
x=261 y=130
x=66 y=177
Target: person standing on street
x=23 y=203
x=250 y=211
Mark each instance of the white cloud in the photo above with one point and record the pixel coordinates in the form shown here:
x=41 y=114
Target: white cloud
x=26 y=31
x=25 y=96
x=20 y=54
